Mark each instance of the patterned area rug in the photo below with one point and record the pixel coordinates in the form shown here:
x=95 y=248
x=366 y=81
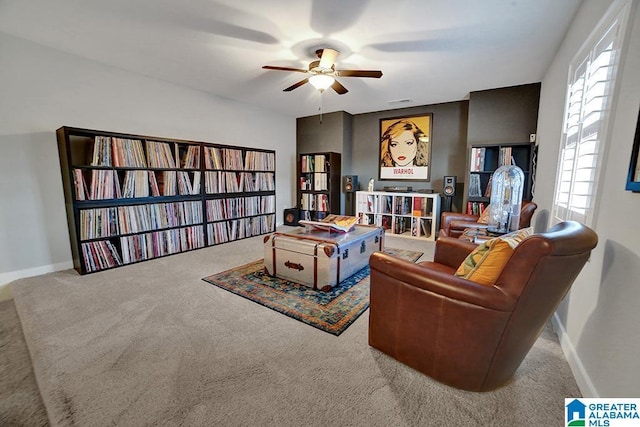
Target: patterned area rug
x=331 y=311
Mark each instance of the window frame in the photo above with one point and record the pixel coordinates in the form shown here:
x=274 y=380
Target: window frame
x=567 y=191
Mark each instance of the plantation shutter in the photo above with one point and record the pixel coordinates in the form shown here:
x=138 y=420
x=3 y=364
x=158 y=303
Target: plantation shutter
x=590 y=91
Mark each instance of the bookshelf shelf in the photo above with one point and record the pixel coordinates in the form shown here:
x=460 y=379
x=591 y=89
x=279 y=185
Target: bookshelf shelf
x=413 y=215
x=131 y=198
x=319 y=184
x=483 y=162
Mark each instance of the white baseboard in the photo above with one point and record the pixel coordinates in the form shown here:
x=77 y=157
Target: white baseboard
x=6 y=278
x=579 y=372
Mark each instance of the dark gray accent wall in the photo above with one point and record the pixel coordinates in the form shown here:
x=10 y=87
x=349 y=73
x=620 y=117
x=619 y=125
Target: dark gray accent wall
x=448 y=151
x=503 y=115
x=489 y=116
x=507 y=114
x=333 y=133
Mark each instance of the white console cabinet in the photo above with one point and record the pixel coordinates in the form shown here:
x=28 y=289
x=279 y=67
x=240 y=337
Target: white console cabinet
x=414 y=215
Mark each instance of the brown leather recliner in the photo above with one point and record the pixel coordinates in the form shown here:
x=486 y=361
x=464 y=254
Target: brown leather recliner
x=470 y=336
x=452 y=224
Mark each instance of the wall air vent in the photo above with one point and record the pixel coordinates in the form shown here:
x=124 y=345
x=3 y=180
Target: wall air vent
x=400 y=101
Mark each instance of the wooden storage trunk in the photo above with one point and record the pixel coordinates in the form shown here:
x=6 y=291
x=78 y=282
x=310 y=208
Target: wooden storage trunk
x=320 y=259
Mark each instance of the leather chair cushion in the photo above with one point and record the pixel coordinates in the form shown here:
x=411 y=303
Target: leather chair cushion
x=485 y=263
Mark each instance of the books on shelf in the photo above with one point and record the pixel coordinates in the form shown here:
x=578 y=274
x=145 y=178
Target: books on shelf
x=385 y=204
x=305 y=183
x=128 y=153
x=425 y=227
x=139 y=247
x=100 y=255
x=320 y=163
x=188 y=182
x=320 y=181
x=159 y=155
x=103 y=184
x=314 y=202
x=212 y=158
x=313 y=163
x=401 y=225
x=136 y=184
x=505 y=157
x=476 y=208
x=417 y=206
x=80 y=185
x=477 y=159
x=475 y=189
x=232 y=159
x=405 y=214
x=101 y=151
x=191 y=157
x=224 y=231
x=259 y=161
x=487 y=191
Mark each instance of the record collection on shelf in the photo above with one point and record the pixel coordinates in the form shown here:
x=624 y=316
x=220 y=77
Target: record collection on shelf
x=404 y=214
x=319 y=184
x=483 y=162
x=131 y=198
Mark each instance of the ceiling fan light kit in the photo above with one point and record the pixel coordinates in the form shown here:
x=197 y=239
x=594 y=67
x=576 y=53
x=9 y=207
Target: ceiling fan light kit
x=324 y=73
x=321 y=81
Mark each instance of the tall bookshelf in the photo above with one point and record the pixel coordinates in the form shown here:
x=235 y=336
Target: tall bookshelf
x=319 y=184
x=131 y=198
x=483 y=162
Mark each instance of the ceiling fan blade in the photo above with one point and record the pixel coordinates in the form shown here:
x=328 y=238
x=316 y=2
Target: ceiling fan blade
x=270 y=67
x=376 y=74
x=341 y=90
x=328 y=58
x=297 y=85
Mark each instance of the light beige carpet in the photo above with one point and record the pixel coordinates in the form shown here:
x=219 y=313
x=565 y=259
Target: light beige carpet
x=20 y=401
x=152 y=344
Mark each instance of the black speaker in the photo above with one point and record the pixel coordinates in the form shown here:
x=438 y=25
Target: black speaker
x=350 y=183
x=449 y=186
x=291 y=216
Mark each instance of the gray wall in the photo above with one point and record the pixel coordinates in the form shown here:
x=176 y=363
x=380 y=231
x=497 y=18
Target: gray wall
x=448 y=150
x=490 y=116
x=599 y=321
x=357 y=137
x=43 y=89
x=503 y=115
x=331 y=132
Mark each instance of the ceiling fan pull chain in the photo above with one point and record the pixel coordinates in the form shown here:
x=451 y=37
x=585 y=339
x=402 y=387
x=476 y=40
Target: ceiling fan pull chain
x=320 y=108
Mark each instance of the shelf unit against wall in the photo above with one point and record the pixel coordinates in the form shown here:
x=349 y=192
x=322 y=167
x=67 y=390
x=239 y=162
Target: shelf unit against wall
x=414 y=215
x=319 y=184
x=483 y=162
x=131 y=198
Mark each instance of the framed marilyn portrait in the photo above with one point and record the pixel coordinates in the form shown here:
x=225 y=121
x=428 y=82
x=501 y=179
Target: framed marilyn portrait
x=405 y=148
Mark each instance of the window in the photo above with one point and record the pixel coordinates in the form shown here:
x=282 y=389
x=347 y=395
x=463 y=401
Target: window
x=590 y=89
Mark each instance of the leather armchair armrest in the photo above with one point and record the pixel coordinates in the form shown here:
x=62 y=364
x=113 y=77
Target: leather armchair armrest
x=451 y=252
x=437 y=282
x=462 y=225
x=447 y=217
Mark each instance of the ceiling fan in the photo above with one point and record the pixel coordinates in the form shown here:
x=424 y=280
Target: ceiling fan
x=323 y=72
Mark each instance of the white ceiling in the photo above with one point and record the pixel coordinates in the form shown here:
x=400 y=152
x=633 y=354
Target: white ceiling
x=430 y=51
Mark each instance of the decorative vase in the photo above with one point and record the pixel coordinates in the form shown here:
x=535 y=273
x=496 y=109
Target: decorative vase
x=506 y=199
